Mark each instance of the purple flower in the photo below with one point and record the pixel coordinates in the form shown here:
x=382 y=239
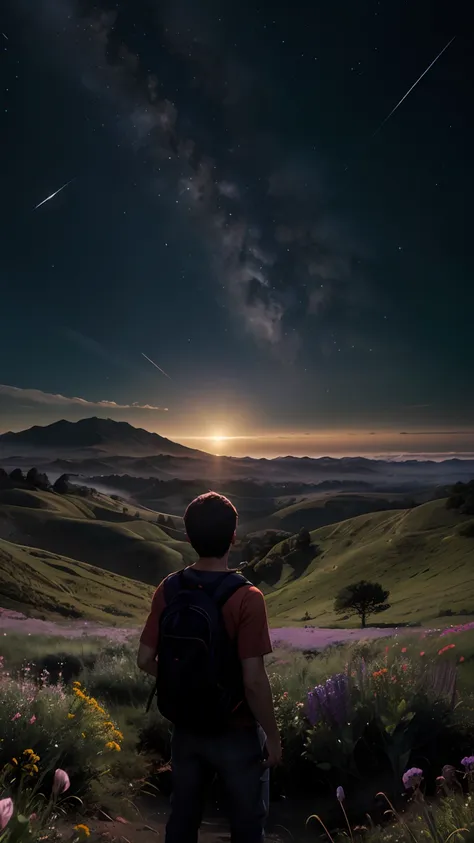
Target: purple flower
x=329 y=703
x=340 y=794
x=412 y=778
x=468 y=762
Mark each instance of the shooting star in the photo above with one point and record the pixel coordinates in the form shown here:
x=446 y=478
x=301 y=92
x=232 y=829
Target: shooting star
x=414 y=85
x=155 y=365
x=53 y=194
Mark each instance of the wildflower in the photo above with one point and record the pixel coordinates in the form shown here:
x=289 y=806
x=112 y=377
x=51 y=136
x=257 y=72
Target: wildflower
x=15 y=761
x=412 y=778
x=403 y=650
x=468 y=762
x=404 y=666
x=6 y=812
x=16 y=716
x=76 y=684
x=330 y=702
x=117 y=734
x=340 y=794
x=32 y=720
x=112 y=745
x=83 y=829
x=462 y=659
x=61 y=782
x=33 y=817
x=422 y=653
x=71 y=716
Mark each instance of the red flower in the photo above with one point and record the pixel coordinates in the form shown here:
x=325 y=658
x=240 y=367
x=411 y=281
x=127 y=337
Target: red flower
x=422 y=653
x=462 y=659
x=403 y=650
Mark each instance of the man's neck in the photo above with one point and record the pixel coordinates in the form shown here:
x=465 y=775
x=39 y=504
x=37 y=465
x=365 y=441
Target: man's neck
x=211 y=564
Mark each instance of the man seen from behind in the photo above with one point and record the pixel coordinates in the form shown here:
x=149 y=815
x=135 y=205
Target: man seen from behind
x=204 y=641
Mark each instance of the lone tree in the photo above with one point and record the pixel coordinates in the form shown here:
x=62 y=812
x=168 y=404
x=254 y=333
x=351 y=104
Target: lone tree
x=362 y=598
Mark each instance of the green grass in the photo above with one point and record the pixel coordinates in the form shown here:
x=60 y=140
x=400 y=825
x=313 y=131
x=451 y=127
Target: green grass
x=322 y=508
x=68 y=526
x=53 y=587
x=418 y=554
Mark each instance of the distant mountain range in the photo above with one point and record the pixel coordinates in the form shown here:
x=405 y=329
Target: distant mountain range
x=95 y=436
x=102 y=448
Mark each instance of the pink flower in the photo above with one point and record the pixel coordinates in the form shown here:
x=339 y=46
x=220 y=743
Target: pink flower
x=16 y=716
x=32 y=720
x=403 y=650
x=61 y=782
x=462 y=659
x=422 y=653
x=6 y=811
x=33 y=818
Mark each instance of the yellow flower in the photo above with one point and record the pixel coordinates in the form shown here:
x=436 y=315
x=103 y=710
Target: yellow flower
x=71 y=716
x=15 y=761
x=28 y=752
x=117 y=734
x=108 y=723
x=76 y=684
x=113 y=745
x=83 y=734
x=83 y=829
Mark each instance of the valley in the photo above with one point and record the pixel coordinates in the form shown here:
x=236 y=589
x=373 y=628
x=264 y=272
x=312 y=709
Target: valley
x=91 y=546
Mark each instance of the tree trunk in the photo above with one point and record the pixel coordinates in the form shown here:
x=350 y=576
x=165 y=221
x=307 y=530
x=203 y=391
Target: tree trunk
x=362 y=620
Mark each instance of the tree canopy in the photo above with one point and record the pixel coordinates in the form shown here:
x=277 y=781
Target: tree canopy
x=362 y=598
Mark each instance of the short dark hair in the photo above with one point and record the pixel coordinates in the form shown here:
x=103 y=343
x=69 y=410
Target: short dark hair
x=210 y=521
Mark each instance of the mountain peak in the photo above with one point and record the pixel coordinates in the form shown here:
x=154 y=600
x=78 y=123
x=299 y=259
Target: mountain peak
x=92 y=435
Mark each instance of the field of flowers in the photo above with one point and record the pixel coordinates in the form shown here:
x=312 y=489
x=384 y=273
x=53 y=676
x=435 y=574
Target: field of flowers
x=354 y=719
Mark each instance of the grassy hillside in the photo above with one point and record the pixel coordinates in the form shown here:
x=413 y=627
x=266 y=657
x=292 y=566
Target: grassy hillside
x=322 y=508
x=88 y=529
x=422 y=555
x=51 y=586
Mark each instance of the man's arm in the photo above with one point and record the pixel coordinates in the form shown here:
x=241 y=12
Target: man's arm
x=254 y=643
x=146 y=659
x=258 y=694
x=146 y=656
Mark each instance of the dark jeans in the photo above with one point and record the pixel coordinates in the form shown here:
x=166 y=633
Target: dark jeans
x=236 y=757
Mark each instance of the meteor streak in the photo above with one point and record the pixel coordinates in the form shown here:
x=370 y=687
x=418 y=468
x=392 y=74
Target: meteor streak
x=53 y=194
x=155 y=365
x=413 y=86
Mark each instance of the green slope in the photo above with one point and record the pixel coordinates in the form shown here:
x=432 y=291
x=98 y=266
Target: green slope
x=419 y=554
x=68 y=526
x=43 y=584
x=322 y=508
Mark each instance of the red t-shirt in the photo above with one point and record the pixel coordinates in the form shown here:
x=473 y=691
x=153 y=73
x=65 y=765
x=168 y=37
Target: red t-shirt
x=245 y=619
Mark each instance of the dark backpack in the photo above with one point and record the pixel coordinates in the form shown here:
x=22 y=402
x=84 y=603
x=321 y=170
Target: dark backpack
x=199 y=680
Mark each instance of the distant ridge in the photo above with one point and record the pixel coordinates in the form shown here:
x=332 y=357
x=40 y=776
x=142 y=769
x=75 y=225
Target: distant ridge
x=93 y=435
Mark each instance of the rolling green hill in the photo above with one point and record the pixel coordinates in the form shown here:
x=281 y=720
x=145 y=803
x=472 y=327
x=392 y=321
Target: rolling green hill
x=423 y=555
x=47 y=585
x=88 y=529
x=321 y=508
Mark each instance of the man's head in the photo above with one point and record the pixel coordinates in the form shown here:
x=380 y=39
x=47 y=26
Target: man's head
x=210 y=521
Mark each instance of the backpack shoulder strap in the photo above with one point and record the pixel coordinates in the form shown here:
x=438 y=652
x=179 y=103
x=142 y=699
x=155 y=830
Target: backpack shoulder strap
x=228 y=586
x=173 y=585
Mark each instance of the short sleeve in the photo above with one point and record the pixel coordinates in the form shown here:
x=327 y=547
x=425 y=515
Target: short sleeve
x=149 y=636
x=253 y=636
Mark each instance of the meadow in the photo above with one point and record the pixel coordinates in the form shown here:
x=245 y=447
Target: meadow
x=355 y=717
x=422 y=555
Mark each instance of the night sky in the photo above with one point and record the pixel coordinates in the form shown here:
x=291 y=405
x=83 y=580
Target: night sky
x=236 y=216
